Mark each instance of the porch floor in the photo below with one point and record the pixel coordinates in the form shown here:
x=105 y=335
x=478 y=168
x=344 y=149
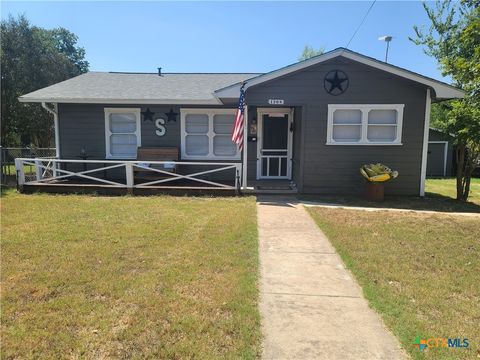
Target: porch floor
x=187 y=187
x=270 y=187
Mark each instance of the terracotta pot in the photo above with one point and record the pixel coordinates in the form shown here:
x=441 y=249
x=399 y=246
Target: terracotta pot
x=374 y=191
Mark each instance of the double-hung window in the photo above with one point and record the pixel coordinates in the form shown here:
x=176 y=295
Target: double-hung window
x=206 y=134
x=365 y=124
x=122 y=133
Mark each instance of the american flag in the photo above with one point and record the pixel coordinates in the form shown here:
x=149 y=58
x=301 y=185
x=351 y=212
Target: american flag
x=237 y=135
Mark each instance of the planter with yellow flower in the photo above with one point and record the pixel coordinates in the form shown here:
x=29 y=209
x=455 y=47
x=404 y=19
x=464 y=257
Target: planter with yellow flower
x=376 y=176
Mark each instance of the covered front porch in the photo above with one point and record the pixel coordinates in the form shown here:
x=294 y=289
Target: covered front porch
x=268 y=163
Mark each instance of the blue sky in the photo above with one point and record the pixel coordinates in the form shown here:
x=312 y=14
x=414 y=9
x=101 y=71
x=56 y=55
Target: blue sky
x=228 y=36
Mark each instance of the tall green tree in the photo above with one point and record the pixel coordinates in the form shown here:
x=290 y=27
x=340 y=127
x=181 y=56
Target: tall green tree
x=309 y=52
x=453 y=38
x=32 y=58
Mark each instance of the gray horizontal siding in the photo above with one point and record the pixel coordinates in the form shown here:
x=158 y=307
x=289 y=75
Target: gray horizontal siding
x=335 y=168
x=83 y=125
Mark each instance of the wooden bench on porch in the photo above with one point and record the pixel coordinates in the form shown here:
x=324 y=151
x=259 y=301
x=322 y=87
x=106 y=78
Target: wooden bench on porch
x=156 y=154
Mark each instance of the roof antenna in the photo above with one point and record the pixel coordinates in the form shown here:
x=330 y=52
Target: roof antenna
x=387 y=39
x=159 y=71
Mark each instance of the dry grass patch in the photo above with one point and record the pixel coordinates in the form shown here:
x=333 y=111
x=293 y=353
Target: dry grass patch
x=420 y=272
x=129 y=277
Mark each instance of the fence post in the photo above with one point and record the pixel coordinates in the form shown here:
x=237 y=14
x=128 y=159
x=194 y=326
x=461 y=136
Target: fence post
x=129 y=177
x=20 y=174
x=38 y=169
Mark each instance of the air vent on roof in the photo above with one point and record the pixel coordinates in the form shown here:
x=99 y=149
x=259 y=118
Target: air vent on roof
x=159 y=71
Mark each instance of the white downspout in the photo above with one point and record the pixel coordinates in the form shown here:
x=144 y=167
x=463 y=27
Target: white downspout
x=426 y=130
x=54 y=111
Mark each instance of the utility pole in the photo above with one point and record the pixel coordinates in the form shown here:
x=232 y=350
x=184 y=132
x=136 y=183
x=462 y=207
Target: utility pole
x=387 y=39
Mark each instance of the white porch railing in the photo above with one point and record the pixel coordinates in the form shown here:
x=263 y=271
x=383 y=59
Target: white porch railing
x=54 y=171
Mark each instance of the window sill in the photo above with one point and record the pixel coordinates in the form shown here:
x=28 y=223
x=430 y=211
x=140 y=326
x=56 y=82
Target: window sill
x=365 y=143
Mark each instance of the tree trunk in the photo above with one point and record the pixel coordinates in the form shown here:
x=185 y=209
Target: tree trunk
x=469 y=167
x=460 y=154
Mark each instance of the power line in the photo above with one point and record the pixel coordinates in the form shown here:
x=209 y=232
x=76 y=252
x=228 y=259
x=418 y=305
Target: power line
x=360 y=25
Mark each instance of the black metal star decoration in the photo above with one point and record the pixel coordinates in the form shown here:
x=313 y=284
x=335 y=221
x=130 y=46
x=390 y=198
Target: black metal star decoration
x=148 y=115
x=336 y=82
x=171 y=115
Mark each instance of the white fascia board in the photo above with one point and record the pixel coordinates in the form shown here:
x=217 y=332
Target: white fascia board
x=232 y=92
x=121 y=101
x=442 y=91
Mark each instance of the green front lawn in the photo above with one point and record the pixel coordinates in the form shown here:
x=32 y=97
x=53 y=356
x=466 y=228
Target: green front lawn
x=447 y=188
x=420 y=272
x=128 y=277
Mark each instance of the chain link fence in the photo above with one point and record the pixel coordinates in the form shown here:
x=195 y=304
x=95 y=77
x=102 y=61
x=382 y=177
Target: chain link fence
x=7 y=160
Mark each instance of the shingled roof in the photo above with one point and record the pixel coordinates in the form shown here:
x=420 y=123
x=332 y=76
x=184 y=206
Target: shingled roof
x=138 y=88
x=200 y=88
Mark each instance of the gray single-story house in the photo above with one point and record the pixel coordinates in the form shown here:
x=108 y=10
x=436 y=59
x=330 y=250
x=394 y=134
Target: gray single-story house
x=311 y=124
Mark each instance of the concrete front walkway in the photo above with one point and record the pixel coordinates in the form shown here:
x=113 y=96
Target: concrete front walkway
x=311 y=307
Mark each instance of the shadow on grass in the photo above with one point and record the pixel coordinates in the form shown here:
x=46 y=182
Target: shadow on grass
x=431 y=202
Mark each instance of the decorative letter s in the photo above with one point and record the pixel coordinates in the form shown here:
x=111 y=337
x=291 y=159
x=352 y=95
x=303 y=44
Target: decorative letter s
x=160 y=125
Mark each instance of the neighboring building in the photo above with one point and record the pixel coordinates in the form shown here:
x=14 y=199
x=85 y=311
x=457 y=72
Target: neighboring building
x=313 y=123
x=440 y=154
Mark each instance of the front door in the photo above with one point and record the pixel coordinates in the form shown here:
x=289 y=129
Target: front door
x=274 y=146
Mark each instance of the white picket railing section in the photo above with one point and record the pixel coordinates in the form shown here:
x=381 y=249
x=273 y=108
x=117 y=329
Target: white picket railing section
x=50 y=171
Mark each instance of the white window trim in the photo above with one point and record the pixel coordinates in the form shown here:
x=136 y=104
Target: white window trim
x=138 y=132
x=365 y=109
x=211 y=134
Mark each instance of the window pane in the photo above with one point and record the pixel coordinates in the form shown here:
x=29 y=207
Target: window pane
x=274 y=166
x=382 y=117
x=196 y=123
x=347 y=117
x=283 y=170
x=196 y=144
x=223 y=124
x=123 y=123
x=123 y=146
x=346 y=133
x=224 y=146
x=381 y=133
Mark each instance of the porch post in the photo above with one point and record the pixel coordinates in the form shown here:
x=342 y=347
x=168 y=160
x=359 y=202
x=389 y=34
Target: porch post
x=245 y=145
x=20 y=172
x=54 y=112
x=57 y=131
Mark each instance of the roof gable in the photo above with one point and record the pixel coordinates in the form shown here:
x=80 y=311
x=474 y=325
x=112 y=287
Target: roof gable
x=442 y=90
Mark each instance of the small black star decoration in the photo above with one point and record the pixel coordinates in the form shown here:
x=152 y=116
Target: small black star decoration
x=336 y=82
x=171 y=115
x=148 y=115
